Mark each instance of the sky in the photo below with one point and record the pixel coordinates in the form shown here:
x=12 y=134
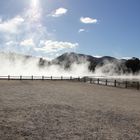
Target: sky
x=49 y=28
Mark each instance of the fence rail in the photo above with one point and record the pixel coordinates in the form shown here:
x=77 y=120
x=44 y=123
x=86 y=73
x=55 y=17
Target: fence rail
x=9 y=77
x=121 y=83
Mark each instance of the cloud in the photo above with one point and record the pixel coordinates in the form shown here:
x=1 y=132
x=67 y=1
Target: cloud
x=27 y=43
x=10 y=43
x=25 y=34
x=12 y=25
x=81 y=30
x=55 y=46
x=97 y=56
x=125 y=58
x=88 y=20
x=59 y=12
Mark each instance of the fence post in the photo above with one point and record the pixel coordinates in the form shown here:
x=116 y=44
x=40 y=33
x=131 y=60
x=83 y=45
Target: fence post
x=79 y=79
x=8 y=77
x=138 y=85
x=93 y=81
x=20 y=77
x=32 y=77
x=115 y=83
x=106 y=82
x=51 y=77
x=70 y=77
x=90 y=80
x=42 y=77
x=126 y=84
x=61 y=77
x=85 y=79
x=98 y=80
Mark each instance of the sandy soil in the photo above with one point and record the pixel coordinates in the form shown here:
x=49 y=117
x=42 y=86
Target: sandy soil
x=64 y=110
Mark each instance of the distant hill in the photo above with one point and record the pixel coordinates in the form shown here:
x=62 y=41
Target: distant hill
x=66 y=60
x=120 y=65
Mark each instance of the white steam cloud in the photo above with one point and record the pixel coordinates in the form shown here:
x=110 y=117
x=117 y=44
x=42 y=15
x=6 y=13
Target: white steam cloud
x=16 y=65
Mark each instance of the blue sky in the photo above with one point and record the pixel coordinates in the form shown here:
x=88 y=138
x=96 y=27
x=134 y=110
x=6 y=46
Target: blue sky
x=51 y=27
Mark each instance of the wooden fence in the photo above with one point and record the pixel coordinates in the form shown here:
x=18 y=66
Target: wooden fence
x=121 y=83
x=116 y=83
x=35 y=78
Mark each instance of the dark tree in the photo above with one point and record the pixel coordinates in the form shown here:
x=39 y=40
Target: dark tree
x=133 y=65
x=41 y=62
x=92 y=66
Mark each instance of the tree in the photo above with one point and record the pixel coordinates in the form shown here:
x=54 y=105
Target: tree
x=133 y=65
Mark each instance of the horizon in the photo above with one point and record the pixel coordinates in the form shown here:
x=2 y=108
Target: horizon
x=49 y=28
x=50 y=59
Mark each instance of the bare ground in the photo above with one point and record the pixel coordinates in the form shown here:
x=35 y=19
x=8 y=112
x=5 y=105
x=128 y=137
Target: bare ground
x=64 y=110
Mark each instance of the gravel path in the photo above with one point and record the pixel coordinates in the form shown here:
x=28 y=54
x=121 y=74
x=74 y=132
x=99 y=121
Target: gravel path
x=64 y=110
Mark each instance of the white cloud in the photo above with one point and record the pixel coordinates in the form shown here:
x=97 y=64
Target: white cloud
x=10 y=43
x=81 y=30
x=11 y=26
x=97 y=56
x=125 y=58
x=55 y=46
x=27 y=43
x=59 y=12
x=26 y=34
x=88 y=20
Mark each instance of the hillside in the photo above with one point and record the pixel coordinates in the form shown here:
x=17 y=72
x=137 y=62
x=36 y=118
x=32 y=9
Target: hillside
x=67 y=60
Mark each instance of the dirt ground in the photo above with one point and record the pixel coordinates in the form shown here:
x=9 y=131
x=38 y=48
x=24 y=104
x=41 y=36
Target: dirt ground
x=65 y=110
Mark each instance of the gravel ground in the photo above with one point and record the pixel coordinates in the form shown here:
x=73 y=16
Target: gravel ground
x=64 y=110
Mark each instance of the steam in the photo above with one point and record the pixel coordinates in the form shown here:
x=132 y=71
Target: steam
x=110 y=69
x=16 y=65
x=114 y=70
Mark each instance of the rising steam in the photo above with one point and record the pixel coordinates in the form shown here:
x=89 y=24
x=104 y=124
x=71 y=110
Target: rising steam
x=15 y=65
